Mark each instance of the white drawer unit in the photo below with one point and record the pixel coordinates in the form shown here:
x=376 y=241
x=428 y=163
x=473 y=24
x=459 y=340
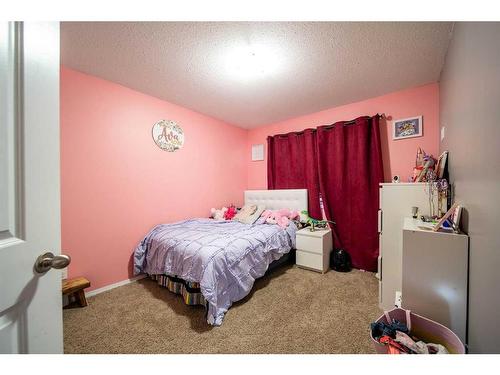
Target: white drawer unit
x=396 y=202
x=435 y=275
x=313 y=249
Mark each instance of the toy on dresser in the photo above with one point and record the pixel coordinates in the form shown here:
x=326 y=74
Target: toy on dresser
x=313 y=223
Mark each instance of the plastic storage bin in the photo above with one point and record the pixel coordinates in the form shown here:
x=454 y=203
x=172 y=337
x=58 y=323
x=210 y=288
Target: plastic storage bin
x=425 y=329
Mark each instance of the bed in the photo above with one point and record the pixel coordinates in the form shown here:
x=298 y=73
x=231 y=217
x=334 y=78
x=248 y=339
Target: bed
x=221 y=258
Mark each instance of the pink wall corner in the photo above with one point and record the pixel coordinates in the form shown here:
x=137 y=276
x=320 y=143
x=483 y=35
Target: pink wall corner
x=116 y=184
x=398 y=156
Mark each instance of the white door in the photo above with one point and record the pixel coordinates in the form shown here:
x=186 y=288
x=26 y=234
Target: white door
x=30 y=302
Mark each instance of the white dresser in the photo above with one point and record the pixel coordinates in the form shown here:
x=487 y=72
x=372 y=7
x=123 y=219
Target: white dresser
x=396 y=201
x=435 y=269
x=313 y=249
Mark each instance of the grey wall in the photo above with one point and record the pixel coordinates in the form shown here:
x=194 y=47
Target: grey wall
x=470 y=113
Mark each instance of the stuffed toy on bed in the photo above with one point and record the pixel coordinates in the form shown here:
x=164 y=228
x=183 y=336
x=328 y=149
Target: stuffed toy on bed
x=225 y=213
x=231 y=212
x=218 y=214
x=280 y=217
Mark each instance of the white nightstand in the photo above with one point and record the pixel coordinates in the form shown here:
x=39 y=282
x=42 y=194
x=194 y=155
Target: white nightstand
x=313 y=249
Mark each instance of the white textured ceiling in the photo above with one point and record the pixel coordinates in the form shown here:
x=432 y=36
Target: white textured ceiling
x=313 y=65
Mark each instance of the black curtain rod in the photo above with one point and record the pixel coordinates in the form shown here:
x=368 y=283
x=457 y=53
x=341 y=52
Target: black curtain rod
x=346 y=123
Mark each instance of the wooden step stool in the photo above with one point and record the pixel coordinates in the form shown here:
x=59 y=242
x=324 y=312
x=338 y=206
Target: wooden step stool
x=75 y=287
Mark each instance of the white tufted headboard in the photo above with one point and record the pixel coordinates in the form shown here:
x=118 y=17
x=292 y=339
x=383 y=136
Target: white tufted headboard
x=294 y=199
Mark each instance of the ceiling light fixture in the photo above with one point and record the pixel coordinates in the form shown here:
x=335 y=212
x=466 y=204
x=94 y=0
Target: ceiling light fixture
x=251 y=62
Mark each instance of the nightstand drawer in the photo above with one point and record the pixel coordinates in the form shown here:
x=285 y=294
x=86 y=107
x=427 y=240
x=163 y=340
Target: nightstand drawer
x=309 y=260
x=310 y=244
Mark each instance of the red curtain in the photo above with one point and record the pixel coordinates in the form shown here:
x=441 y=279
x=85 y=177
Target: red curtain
x=350 y=170
x=292 y=164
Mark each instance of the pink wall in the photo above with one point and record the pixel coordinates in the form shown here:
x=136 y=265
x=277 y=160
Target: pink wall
x=398 y=156
x=116 y=184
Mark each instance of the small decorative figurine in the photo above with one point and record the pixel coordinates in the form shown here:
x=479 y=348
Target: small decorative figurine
x=314 y=222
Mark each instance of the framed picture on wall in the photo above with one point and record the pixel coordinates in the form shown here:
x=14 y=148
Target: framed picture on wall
x=407 y=128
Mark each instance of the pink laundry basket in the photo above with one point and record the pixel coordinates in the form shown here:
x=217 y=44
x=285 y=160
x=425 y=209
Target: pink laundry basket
x=425 y=329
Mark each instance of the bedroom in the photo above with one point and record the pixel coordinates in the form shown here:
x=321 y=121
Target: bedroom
x=247 y=187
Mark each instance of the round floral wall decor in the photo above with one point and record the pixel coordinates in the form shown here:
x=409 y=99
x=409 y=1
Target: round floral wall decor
x=168 y=135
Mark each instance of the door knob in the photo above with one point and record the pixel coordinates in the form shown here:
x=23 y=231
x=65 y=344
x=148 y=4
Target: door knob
x=48 y=260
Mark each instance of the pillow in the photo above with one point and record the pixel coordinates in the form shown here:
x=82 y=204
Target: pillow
x=257 y=213
x=244 y=213
x=249 y=214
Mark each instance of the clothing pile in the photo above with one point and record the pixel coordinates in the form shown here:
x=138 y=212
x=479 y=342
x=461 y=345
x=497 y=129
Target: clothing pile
x=396 y=337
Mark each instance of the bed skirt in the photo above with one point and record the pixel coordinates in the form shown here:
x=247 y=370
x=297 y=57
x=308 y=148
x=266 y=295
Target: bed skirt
x=190 y=291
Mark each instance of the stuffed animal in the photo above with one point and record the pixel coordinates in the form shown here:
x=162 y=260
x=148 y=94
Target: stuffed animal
x=280 y=217
x=218 y=214
x=231 y=211
x=424 y=167
x=313 y=223
x=268 y=217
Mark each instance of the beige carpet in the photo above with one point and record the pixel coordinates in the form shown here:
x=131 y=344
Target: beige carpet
x=290 y=311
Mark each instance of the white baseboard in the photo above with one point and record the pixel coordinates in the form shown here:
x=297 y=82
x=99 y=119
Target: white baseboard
x=112 y=286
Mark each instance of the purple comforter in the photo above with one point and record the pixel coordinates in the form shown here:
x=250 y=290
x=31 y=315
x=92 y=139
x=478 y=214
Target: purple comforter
x=225 y=257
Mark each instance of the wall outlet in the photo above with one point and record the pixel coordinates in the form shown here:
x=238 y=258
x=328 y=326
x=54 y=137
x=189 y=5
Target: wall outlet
x=442 y=133
x=398 y=299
